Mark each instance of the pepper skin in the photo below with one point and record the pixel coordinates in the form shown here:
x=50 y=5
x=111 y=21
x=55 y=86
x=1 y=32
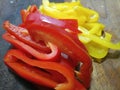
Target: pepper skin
x=30 y=69
x=23 y=35
x=53 y=56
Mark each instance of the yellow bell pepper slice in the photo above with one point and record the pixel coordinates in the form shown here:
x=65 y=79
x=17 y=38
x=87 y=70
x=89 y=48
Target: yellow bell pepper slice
x=100 y=40
x=69 y=10
x=97 y=51
x=95 y=28
x=65 y=6
x=90 y=14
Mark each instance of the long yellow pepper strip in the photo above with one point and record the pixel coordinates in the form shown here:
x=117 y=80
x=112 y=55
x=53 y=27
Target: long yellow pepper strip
x=100 y=40
x=57 y=14
x=96 y=50
x=95 y=28
x=90 y=14
x=65 y=6
x=103 y=42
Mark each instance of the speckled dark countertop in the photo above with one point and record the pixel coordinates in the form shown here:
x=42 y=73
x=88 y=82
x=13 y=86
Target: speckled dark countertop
x=106 y=76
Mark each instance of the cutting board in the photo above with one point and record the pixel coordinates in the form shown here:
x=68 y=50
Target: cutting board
x=105 y=76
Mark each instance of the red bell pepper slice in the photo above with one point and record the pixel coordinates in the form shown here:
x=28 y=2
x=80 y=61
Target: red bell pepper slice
x=39 y=28
x=38 y=17
x=23 y=35
x=24 y=13
x=30 y=69
x=70 y=25
x=53 y=56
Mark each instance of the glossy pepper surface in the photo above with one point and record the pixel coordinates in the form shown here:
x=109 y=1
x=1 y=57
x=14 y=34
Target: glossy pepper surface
x=31 y=70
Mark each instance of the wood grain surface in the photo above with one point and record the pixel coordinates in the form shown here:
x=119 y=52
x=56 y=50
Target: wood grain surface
x=105 y=76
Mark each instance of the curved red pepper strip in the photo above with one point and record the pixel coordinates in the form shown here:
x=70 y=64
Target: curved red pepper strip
x=39 y=29
x=23 y=35
x=53 y=56
x=38 y=17
x=25 y=67
x=70 y=25
x=24 y=13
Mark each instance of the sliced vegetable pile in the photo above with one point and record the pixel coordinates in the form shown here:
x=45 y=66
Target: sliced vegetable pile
x=53 y=45
x=95 y=39
x=46 y=53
